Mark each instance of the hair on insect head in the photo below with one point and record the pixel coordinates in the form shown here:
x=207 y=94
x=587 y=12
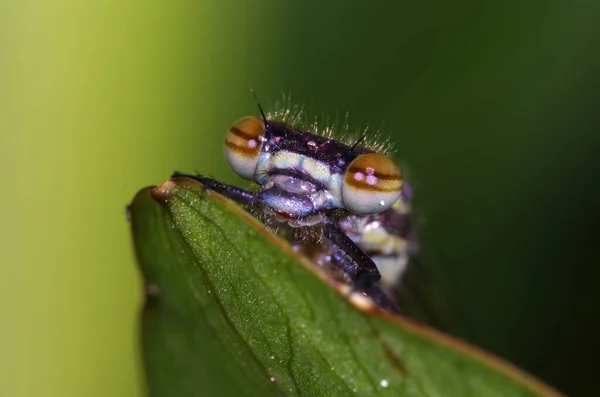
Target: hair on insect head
x=321 y=122
x=262 y=113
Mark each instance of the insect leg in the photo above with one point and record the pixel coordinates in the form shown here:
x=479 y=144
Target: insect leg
x=242 y=196
x=358 y=266
x=374 y=291
x=363 y=270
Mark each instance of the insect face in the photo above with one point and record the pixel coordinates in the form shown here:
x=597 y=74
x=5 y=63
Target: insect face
x=305 y=175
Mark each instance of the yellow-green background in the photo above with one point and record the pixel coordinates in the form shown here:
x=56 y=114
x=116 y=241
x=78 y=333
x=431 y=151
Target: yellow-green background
x=493 y=107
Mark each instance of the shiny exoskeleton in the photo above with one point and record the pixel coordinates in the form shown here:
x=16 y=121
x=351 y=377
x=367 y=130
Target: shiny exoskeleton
x=342 y=205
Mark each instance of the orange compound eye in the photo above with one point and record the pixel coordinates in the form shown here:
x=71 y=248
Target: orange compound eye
x=243 y=144
x=372 y=183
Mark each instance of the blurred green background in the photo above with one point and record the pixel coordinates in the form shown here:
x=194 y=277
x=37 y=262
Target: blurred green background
x=494 y=111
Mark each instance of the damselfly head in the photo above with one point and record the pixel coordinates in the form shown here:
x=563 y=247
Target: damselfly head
x=304 y=174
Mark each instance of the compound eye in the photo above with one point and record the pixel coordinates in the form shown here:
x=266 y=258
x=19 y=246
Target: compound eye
x=242 y=145
x=372 y=183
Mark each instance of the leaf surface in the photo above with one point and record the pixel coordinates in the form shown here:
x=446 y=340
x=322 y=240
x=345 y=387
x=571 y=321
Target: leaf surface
x=232 y=310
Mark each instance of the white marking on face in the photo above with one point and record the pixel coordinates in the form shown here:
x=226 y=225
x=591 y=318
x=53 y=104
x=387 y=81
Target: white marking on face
x=252 y=143
x=371 y=179
x=316 y=169
x=285 y=159
x=359 y=176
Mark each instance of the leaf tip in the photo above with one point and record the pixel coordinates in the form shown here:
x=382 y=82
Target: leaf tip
x=162 y=192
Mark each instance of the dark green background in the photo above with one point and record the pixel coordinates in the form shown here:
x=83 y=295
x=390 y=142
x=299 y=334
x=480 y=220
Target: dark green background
x=493 y=108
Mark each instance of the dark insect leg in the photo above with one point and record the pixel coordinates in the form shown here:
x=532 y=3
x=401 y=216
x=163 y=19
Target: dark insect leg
x=242 y=196
x=374 y=291
x=358 y=266
x=364 y=271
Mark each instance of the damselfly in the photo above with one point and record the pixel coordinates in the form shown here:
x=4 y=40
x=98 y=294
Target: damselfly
x=345 y=205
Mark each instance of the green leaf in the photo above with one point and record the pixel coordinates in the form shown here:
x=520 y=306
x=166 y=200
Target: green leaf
x=231 y=310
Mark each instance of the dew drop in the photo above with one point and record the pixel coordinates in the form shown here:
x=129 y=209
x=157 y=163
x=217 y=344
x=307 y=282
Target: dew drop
x=384 y=383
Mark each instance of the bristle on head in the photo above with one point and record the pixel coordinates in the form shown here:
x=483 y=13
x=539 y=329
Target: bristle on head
x=295 y=114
